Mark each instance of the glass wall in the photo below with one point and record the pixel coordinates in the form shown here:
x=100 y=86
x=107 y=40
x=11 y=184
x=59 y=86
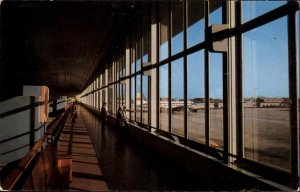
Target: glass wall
x=164 y=97
x=177 y=100
x=266 y=94
x=178 y=70
x=196 y=96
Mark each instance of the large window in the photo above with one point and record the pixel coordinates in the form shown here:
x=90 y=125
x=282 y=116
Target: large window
x=266 y=94
x=177 y=100
x=164 y=97
x=196 y=96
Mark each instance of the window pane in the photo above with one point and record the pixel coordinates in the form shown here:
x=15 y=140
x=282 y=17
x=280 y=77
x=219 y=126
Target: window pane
x=164 y=23
x=138 y=98
x=124 y=64
x=120 y=67
x=132 y=99
x=196 y=96
x=177 y=102
x=110 y=99
x=132 y=60
x=164 y=98
x=177 y=26
x=103 y=78
x=103 y=96
x=118 y=95
x=146 y=39
x=215 y=16
x=266 y=94
x=216 y=99
x=115 y=71
x=253 y=9
x=145 y=99
x=124 y=95
x=195 y=22
x=99 y=100
x=110 y=73
x=138 y=54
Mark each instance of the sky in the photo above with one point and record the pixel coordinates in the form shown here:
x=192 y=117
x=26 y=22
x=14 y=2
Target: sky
x=265 y=58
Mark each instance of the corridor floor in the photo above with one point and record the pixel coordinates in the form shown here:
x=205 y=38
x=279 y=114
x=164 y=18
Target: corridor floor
x=106 y=159
x=86 y=170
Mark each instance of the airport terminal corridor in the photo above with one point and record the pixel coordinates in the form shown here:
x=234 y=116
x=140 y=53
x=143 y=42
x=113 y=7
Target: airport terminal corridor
x=158 y=95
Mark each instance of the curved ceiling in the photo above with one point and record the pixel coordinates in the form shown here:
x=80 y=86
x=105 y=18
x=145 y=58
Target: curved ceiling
x=57 y=44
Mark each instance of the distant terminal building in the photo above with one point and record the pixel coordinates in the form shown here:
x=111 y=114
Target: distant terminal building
x=267 y=102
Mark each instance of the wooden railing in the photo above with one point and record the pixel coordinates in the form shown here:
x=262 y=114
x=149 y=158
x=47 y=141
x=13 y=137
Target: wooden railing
x=17 y=177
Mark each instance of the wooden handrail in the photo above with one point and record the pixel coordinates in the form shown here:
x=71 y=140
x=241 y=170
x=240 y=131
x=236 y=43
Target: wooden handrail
x=10 y=182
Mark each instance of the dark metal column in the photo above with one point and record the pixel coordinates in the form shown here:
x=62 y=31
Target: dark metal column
x=185 y=12
x=293 y=87
x=206 y=78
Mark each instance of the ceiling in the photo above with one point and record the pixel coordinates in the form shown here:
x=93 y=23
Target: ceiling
x=57 y=44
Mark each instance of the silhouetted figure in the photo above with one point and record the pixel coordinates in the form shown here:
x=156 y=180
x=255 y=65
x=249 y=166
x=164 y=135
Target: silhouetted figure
x=121 y=116
x=103 y=115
